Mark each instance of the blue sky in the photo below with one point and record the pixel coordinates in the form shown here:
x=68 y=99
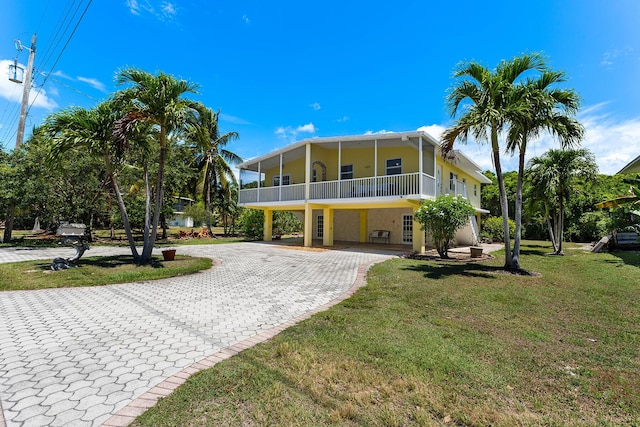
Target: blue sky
x=288 y=70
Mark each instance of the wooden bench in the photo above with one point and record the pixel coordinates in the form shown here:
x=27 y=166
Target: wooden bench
x=627 y=240
x=380 y=234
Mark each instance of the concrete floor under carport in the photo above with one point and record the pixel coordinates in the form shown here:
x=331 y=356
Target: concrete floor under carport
x=352 y=223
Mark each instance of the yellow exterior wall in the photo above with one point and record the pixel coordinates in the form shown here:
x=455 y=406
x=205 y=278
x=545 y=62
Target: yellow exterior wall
x=293 y=168
x=330 y=160
x=447 y=168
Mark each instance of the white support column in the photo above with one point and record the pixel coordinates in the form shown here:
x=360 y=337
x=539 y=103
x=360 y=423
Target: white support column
x=259 y=180
x=307 y=171
x=418 y=234
x=435 y=172
x=375 y=158
x=420 y=167
x=339 y=168
x=280 y=189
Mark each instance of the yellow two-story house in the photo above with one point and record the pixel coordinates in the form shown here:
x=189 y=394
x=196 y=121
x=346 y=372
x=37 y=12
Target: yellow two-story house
x=350 y=187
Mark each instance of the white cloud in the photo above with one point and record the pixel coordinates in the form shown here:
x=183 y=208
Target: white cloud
x=95 y=83
x=246 y=19
x=613 y=142
x=342 y=119
x=291 y=134
x=13 y=91
x=380 y=132
x=609 y=57
x=315 y=106
x=163 y=10
x=233 y=119
x=309 y=128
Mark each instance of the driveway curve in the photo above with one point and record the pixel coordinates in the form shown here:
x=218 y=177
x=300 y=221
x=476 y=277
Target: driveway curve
x=101 y=355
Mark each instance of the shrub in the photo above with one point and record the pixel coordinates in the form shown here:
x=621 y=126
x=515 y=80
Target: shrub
x=442 y=217
x=493 y=228
x=252 y=224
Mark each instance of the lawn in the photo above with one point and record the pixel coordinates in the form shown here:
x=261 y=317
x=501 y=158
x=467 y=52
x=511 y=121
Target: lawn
x=94 y=271
x=443 y=343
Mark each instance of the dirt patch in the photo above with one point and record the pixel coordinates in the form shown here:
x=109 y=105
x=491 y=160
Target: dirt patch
x=432 y=255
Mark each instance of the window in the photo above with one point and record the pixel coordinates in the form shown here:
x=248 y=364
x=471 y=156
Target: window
x=475 y=189
x=407 y=228
x=452 y=181
x=346 y=172
x=286 y=180
x=320 y=229
x=314 y=175
x=394 y=166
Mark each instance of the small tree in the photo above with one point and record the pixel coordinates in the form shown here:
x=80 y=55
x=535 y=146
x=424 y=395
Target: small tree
x=442 y=217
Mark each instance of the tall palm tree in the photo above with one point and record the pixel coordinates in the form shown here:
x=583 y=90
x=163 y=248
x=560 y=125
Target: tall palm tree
x=544 y=108
x=556 y=172
x=157 y=99
x=212 y=158
x=92 y=130
x=488 y=100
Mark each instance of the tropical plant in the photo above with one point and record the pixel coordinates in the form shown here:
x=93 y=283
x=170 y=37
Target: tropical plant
x=213 y=160
x=77 y=129
x=542 y=107
x=489 y=100
x=553 y=175
x=442 y=217
x=252 y=224
x=157 y=101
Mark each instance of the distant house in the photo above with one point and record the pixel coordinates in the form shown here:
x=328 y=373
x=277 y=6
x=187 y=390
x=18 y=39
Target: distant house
x=632 y=167
x=179 y=218
x=352 y=188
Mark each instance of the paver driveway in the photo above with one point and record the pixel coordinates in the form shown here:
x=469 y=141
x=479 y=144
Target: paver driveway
x=76 y=356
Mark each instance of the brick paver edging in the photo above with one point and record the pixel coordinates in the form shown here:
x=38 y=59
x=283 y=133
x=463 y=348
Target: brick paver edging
x=126 y=415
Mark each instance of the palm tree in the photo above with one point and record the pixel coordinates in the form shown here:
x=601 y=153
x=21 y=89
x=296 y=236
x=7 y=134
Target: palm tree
x=555 y=174
x=544 y=108
x=157 y=100
x=92 y=130
x=212 y=158
x=488 y=100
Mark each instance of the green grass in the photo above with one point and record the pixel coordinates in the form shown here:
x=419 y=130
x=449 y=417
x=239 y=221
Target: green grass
x=94 y=271
x=437 y=343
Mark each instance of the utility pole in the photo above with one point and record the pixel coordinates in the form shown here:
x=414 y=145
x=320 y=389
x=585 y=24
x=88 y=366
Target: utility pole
x=25 y=91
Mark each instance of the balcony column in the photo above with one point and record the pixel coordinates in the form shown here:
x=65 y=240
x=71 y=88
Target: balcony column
x=375 y=158
x=364 y=225
x=268 y=225
x=307 y=171
x=420 y=167
x=418 y=234
x=280 y=183
x=327 y=232
x=339 y=169
x=435 y=173
x=259 y=180
x=308 y=225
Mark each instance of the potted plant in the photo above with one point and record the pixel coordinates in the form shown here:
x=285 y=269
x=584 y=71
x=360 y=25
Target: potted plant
x=168 y=254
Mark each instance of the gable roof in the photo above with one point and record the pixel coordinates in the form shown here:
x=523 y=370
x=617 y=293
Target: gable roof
x=632 y=167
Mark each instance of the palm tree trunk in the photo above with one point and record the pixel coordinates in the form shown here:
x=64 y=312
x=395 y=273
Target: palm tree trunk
x=147 y=209
x=207 y=200
x=551 y=235
x=518 y=213
x=561 y=226
x=148 y=248
x=125 y=218
x=504 y=206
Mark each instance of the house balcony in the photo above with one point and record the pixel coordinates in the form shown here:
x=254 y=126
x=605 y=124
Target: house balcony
x=411 y=186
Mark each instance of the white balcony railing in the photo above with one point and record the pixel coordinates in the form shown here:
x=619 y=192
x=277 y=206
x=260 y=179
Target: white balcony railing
x=457 y=188
x=380 y=186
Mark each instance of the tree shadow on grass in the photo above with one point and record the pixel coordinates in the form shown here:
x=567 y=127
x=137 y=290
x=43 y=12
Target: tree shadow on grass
x=106 y=262
x=437 y=271
x=628 y=257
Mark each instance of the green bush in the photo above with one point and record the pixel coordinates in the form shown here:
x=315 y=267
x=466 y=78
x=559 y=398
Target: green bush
x=493 y=228
x=441 y=218
x=252 y=224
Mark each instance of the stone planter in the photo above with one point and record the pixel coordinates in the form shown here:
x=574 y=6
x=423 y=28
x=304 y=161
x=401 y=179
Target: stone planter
x=169 y=254
x=476 y=252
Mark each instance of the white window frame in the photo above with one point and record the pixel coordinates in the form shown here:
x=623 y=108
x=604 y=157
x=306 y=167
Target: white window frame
x=407 y=228
x=286 y=180
x=320 y=227
x=398 y=166
x=346 y=174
